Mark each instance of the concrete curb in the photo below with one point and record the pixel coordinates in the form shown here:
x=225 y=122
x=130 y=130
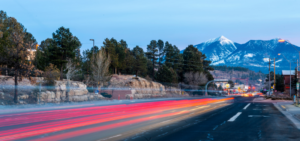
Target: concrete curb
x=290 y=116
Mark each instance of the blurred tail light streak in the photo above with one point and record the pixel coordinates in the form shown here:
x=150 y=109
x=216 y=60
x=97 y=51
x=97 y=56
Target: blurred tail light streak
x=59 y=120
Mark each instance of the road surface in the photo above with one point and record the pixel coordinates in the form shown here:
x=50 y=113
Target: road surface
x=183 y=119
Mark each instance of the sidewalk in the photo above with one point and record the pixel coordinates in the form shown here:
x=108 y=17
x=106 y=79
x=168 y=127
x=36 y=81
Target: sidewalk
x=290 y=111
x=286 y=107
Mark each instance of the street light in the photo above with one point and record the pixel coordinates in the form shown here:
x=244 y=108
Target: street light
x=93 y=56
x=282 y=41
x=93 y=44
x=290 y=73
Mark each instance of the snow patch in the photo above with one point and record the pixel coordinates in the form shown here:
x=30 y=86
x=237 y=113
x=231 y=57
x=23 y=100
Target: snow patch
x=218 y=62
x=249 y=55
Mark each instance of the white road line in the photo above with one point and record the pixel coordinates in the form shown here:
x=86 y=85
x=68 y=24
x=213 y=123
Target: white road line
x=234 y=117
x=110 y=137
x=246 y=106
x=166 y=121
x=257 y=116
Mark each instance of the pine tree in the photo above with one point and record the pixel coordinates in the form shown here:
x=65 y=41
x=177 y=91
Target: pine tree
x=160 y=45
x=192 y=59
x=64 y=46
x=164 y=74
x=140 y=61
x=152 y=54
x=294 y=81
x=110 y=48
x=42 y=55
x=14 y=50
x=169 y=54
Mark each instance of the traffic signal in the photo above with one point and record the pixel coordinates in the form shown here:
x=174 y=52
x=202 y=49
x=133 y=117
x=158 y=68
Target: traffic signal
x=253 y=87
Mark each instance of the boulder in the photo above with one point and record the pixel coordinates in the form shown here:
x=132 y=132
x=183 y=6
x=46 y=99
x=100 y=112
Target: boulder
x=1 y=95
x=23 y=96
x=139 y=85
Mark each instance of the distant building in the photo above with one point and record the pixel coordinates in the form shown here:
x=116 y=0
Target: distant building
x=31 y=55
x=286 y=79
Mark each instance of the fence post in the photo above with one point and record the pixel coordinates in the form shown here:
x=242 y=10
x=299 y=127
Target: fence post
x=39 y=93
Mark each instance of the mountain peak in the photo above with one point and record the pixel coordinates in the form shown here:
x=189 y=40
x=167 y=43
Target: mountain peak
x=222 y=40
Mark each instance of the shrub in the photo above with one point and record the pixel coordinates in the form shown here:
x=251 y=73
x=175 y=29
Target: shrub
x=51 y=74
x=106 y=95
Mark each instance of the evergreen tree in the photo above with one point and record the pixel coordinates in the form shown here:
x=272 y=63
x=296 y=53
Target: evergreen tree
x=129 y=63
x=87 y=56
x=164 y=74
x=152 y=54
x=230 y=82
x=14 y=50
x=294 y=81
x=42 y=55
x=64 y=46
x=140 y=61
x=117 y=51
x=160 y=45
x=110 y=48
x=192 y=59
x=279 y=83
x=149 y=68
x=169 y=53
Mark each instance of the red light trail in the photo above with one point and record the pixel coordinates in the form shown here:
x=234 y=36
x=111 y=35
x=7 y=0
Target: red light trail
x=44 y=122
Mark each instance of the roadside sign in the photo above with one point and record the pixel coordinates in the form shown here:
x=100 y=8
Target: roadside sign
x=97 y=91
x=297 y=85
x=227 y=85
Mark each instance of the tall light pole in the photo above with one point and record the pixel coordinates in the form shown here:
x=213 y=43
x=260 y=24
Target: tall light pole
x=290 y=74
x=93 y=44
x=269 y=75
x=282 y=41
x=93 y=56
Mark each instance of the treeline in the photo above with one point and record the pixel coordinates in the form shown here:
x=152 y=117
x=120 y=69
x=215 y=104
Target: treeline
x=162 y=61
x=230 y=68
x=60 y=57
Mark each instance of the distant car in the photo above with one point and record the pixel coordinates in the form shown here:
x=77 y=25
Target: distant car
x=269 y=93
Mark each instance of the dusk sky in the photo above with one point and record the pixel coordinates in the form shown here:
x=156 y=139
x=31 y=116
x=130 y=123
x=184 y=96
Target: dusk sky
x=179 y=22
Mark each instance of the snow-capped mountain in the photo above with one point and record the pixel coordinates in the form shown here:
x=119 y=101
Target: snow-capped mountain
x=252 y=54
x=217 y=49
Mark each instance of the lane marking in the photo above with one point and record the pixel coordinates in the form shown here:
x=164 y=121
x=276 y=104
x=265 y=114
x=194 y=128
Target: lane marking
x=166 y=121
x=110 y=137
x=282 y=106
x=257 y=116
x=232 y=119
x=247 y=106
x=216 y=127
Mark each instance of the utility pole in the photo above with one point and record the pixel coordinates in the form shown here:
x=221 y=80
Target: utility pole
x=297 y=91
x=269 y=77
x=274 y=78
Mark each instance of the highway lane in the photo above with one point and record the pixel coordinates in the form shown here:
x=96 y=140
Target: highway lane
x=109 y=122
x=243 y=120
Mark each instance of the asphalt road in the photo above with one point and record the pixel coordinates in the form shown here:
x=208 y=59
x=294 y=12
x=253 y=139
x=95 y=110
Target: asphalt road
x=117 y=121
x=258 y=121
x=181 y=119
